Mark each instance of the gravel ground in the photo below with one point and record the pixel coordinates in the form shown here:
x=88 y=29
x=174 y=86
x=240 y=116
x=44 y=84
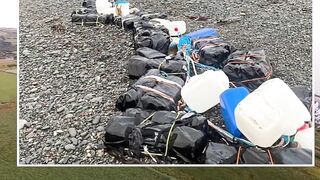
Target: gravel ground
x=69 y=80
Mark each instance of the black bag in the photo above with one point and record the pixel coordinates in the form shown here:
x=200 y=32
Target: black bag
x=149 y=16
x=212 y=51
x=152 y=92
x=89 y=4
x=248 y=68
x=155 y=136
x=126 y=22
x=146 y=25
x=151 y=59
x=220 y=154
x=188 y=143
x=84 y=11
x=254 y=156
x=137 y=113
x=119 y=128
x=90 y=19
x=147 y=35
x=292 y=156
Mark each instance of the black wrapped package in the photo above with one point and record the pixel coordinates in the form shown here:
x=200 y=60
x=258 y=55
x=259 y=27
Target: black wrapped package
x=146 y=25
x=119 y=128
x=89 y=4
x=90 y=19
x=149 y=16
x=220 y=154
x=254 y=156
x=152 y=92
x=84 y=11
x=151 y=59
x=126 y=22
x=137 y=113
x=187 y=142
x=150 y=53
x=248 y=68
x=212 y=51
x=146 y=35
x=164 y=117
x=155 y=136
x=292 y=156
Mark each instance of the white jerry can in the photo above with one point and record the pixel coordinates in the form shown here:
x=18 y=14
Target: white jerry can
x=202 y=92
x=270 y=111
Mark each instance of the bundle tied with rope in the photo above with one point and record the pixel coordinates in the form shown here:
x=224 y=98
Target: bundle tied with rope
x=154 y=91
x=248 y=68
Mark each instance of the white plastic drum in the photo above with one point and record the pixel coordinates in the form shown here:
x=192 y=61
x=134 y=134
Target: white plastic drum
x=104 y=7
x=270 y=111
x=175 y=28
x=305 y=138
x=202 y=91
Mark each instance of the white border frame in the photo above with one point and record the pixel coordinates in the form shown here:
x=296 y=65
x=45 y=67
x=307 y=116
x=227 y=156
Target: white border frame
x=315 y=37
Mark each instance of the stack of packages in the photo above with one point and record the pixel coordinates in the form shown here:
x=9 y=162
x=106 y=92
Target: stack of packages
x=182 y=77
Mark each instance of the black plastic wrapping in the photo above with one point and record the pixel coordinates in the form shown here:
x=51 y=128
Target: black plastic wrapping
x=146 y=34
x=151 y=93
x=148 y=58
x=91 y=19
x=119 y=128
x=137 y=113
x=254 y=156
x=212 y=51
x=248 y=68
x=292 y=156
x=89 y=4
x=188 y=143
x=220 y=154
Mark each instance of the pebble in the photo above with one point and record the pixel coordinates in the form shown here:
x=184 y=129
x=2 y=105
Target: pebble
x=72 y=132
x=100 y=128
x=22 y=123
x=59 y=110
x=69 y=147
x=96 y=120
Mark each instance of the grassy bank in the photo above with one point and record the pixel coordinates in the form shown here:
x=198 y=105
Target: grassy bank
x=8 y=86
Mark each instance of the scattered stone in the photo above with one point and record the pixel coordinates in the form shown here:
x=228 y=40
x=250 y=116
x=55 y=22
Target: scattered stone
x=22 y=123
x=74 y=141
x=59 y=110
x=69 y=147
x=96 y=120
x=72 y=132
x=30 y=135
x=88 y=96
x=45 y=128
x=100 y=128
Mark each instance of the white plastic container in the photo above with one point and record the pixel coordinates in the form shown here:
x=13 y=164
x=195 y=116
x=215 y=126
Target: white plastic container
x=202 y=91
x=122 y=8
x=305 y=138
x=104 y=7
x=270 y=111
x=175 y=28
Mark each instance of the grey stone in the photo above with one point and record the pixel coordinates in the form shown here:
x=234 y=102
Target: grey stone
x=96 y=120
x=100 y=128
x=59 y=110
x=72 y=132
x=74 y=141
x=69 y=147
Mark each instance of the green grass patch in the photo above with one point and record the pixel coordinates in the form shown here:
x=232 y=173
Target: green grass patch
x=8 y=87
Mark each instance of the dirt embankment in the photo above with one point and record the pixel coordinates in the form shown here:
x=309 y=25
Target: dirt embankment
x=8 y=106
x=8 y=66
